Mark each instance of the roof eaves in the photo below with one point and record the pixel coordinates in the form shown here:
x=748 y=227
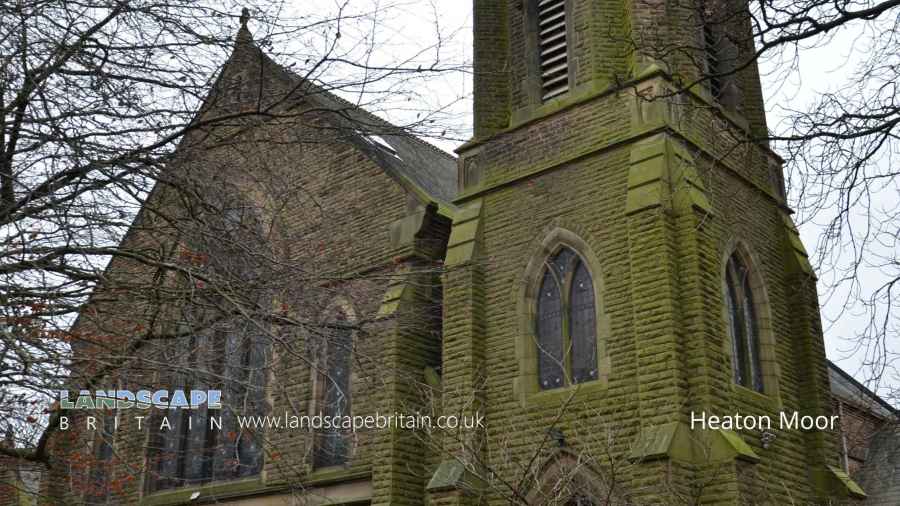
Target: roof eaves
x=863 y=389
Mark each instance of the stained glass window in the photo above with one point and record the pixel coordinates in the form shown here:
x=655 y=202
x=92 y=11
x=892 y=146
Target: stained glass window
x=583 y=326
x=202 y=445
x=549 y=331
x=743 y=328
x=332 y=445
x=566 y=323
x=98 y=487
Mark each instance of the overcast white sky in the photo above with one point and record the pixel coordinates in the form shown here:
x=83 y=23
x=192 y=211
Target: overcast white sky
x=407 y=29
x=824 y=66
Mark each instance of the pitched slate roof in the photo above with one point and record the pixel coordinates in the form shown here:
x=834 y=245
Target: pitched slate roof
x=400 y=153
x=846 y=388
x=423 y=168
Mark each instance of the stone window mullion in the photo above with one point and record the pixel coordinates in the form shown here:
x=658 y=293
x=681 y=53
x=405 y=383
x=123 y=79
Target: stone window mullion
x=565 y=309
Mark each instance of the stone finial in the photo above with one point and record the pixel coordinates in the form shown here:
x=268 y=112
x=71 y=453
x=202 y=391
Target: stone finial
x=245 y=17
x=243 y=35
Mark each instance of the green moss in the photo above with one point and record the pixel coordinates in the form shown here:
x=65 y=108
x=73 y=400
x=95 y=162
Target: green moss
x=675 y=440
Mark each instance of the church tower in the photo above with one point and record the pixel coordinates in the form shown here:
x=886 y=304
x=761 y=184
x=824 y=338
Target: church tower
x=627 y=299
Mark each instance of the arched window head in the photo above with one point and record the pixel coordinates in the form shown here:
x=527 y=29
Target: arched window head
x=566 y=325
x=742 y=323
x=566 y=479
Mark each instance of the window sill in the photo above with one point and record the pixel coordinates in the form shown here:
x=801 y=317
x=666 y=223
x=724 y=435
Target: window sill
x=572 y=393
x=757 y=399
x=333 y=474
x=336 y=485
x=207 y=493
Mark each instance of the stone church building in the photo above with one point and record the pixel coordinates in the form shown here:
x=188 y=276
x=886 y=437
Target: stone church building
x=604 y=262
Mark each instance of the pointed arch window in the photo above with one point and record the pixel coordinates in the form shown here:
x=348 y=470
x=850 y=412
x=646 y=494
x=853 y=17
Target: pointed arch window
x=197 y=446
x=566 y=322
x=742 y=323
x=332 y=445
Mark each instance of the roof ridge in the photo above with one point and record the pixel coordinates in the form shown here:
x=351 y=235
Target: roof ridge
x=380 y=119
x=421 y=164
x=371 y=115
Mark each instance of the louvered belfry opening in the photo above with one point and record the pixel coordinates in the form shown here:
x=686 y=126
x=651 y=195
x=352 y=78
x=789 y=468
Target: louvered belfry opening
x=553 y=48
x=713 y=63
